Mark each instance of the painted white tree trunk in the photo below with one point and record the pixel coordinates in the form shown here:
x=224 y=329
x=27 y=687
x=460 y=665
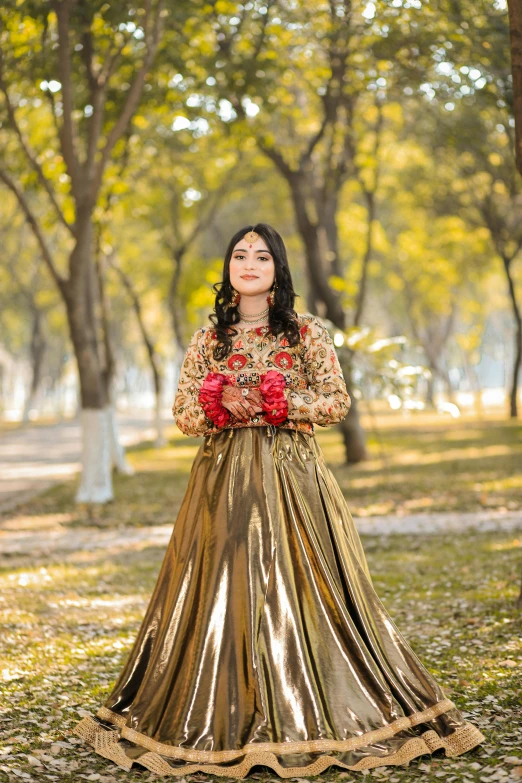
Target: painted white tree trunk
x=96 y=477
x=118 y=458
x=160 y=436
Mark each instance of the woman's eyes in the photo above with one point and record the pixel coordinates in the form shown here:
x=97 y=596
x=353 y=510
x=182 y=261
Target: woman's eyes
x=260 y=258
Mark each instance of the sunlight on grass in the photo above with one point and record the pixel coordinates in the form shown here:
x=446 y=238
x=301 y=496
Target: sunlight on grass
x=516 y=543
x=70 y=625
x=412 y=467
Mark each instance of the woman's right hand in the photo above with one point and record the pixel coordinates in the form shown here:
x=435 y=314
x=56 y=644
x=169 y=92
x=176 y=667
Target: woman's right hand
x=238 y=404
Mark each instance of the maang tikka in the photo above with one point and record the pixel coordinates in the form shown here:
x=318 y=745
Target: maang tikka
x=251 y=237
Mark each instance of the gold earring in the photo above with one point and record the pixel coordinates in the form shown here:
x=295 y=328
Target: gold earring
x=271 y=296
x=236 y=296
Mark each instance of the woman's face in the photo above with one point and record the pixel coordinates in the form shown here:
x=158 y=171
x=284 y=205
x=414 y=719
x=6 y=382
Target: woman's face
x=252 y=269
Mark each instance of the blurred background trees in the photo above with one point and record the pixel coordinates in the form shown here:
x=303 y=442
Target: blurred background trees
x=377 y=137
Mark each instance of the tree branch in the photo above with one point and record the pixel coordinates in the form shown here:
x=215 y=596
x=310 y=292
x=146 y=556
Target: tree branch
x=152 y=39
x=29 y=152
x=63 y=10
x=31 y=219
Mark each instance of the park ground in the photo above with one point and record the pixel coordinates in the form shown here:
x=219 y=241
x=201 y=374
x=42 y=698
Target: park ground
x=74 y=586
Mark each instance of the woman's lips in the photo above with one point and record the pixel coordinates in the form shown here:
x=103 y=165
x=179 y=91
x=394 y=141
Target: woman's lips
x=249 y=277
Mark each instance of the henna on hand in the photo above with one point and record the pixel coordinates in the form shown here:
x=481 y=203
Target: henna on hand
x=240 y=405
x=234 y=401
x=256 y=398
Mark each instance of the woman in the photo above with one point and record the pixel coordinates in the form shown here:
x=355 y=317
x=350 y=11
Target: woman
x=264 y=641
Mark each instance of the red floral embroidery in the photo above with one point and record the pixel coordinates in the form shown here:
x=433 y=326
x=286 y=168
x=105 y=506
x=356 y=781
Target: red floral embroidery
x=209 y=398
x=284 y=360
x=237 y=361
x=275 y=404
x=283 y=342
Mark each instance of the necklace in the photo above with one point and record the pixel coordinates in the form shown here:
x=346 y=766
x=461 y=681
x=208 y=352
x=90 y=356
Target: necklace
x=253 y=319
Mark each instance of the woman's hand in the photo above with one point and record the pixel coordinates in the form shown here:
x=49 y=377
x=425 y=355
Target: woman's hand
x=240 y=405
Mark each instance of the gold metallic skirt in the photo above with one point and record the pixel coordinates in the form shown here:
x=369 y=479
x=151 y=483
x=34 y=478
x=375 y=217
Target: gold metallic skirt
x=264 y=642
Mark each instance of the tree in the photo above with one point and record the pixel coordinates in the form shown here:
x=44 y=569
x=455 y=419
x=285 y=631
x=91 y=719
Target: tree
x=91 y=63
x=515 y=29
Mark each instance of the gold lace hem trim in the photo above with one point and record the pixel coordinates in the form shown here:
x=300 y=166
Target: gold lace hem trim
x=106 y=743
x=306 y=746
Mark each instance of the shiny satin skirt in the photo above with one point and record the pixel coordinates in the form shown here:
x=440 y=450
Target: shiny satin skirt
x=264 y=642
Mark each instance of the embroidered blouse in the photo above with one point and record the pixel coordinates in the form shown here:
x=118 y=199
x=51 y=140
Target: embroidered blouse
x=314 y=383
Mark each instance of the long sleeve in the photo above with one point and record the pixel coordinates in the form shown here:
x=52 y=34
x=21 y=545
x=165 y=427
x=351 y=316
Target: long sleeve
x=188 y=413
x=326 y=400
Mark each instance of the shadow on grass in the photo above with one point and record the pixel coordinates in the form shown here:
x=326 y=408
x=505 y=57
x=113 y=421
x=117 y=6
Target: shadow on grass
x=465 y=466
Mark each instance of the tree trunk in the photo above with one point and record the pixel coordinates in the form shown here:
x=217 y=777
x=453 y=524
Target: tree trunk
x=108 y=363
x=315 y=262
x=515 y=29
x=430 y=392
x=117 y=452
x=158 y=385
x=352 y=431
x=354 y=436
x=154 y=358
x=513 y=397
x=96 y=478
x=37 y=349
x=79 y=293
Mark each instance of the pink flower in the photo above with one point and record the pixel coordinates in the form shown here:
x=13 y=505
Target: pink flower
x=209 y=398
x=275 y=404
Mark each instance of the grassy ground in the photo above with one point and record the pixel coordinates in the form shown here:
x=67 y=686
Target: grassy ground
x=70 y=619
x=423 y=465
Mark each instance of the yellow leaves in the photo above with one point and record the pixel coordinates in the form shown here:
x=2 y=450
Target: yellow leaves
x=337 y=283
x=69 y=212
x=225 y=7
x=141 y=122
x=394 y=282
x=495 y=159
x=393 y=113
x=381 y=242
x=459 y=185
x=370 y=114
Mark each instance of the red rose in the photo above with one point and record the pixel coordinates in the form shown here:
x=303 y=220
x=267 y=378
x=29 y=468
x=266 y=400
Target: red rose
x=209 y=398
x=275 y=404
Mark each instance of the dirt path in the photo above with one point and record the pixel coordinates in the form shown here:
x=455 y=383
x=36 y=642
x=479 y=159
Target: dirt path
x=33 y=458
x=55 y=538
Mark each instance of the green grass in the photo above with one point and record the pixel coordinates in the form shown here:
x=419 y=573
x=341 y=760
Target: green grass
x=412 y=468
x=70 y=620
x=463 y=465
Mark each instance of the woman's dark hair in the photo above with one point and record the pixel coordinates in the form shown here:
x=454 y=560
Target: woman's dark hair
x=281 y=317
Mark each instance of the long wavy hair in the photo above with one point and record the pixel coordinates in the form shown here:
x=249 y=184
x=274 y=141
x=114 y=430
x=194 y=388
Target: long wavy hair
x=281 y=317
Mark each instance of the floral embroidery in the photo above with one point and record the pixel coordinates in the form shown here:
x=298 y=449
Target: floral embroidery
x=237 y=361
x=283 y=359
x=314 y=387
